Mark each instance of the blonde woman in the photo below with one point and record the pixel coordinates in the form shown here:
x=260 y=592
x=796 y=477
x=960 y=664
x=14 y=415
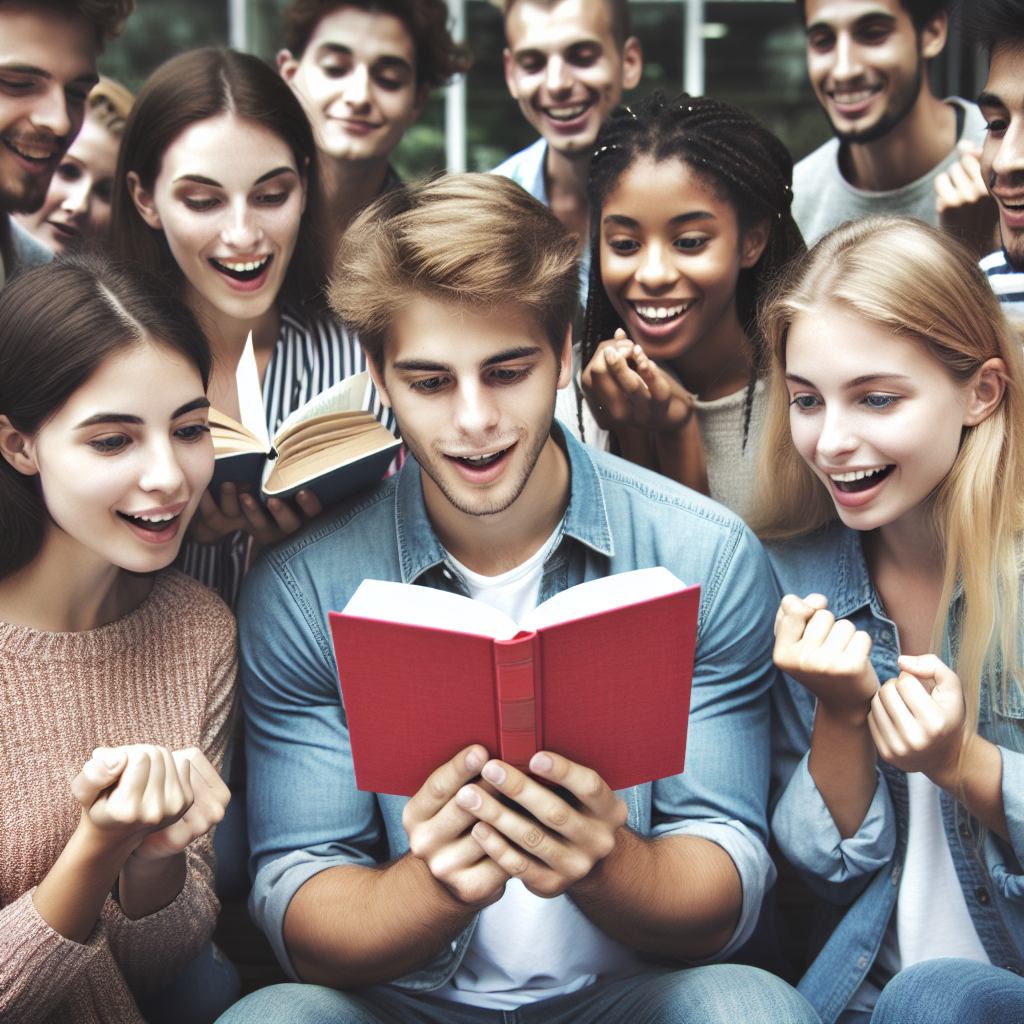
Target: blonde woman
x=77 y=205
x=892 y=497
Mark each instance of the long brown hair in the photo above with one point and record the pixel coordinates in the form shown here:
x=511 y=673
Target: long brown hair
x=193 y=87
x=922 y=285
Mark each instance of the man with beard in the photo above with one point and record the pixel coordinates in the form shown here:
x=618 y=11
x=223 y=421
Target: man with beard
x=48 y=51
x=487 y=896
x=999 y=27
x=868 y=62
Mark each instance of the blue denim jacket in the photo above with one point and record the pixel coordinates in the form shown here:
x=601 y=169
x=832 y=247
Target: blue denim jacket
x=305 y=813
x=863 y=872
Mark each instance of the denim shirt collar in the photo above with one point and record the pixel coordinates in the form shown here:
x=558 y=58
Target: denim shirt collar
x=586 y=518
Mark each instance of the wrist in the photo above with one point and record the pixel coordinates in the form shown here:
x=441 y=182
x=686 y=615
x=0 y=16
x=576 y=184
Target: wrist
x=102 y=844
x=846 y=719
x=946 y=774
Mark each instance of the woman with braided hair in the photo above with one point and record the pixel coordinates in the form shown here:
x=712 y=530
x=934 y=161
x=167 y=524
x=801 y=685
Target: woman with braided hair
x=690 y=220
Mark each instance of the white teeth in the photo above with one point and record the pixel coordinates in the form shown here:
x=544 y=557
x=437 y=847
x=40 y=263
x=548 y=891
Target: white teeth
x=242 y=267
x=660 y=312
x=156 y=519
x=566 y=113
x=847 y=478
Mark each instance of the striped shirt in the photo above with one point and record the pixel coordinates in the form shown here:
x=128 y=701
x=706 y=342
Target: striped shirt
x=1008 y=284
x=313 y=353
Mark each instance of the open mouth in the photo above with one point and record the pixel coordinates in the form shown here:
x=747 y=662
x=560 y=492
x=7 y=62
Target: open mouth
x=155 y=523
x=568 y=113
x=67 y=230
x=480 y=461
x=860 y=480
x=247 y=270
x=33 y=154
x=659 y=315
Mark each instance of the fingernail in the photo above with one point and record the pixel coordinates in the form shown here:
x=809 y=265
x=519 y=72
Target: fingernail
x=468 y=798
x=494 y=773
x=541 y=763
x=473 y=761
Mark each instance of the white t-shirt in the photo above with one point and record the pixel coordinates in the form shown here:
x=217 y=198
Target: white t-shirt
x=526 y=948
x=932 y=918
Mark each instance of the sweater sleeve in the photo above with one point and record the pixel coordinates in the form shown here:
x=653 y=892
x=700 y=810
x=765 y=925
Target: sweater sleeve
x=38 y=965
x=153 y=950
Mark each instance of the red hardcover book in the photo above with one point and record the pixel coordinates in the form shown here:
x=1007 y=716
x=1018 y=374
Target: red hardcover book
x=600 y=673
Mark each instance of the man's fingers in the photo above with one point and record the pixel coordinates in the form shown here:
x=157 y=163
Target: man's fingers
x=584 y=783
x=967 y=180
x=286 y=518
x=444 y=783
x=536 y=876
x=229 y=506
x=309 y=503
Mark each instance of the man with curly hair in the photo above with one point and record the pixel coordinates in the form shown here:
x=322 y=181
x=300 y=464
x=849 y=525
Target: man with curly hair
x=48 y=51
x=364 y=70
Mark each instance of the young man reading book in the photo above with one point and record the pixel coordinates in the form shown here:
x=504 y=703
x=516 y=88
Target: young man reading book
x=488 y=892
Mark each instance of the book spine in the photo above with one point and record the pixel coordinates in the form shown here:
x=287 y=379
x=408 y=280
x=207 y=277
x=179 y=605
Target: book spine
x=514 y=673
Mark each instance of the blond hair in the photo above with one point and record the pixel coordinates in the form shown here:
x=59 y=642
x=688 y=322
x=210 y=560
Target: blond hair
x=109 y=105
x=472 y=239
x=919 y=284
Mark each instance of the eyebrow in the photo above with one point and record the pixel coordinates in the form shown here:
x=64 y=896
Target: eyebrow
x=126 y=417
x=990 y=99
x=857 y=382
x=870 y=16
x=200 y=180
x=426 y=366
x=682 y=218
x=387 y=59
x=31 y=69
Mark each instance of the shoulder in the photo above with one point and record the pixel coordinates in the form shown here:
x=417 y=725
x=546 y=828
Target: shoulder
x=995 y=263
x=190 y=607
x=27 y=251
x=522 y=166
x=807 y=171
x=975 y=125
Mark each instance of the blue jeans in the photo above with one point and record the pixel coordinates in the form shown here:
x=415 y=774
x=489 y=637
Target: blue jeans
x=951 y=992
x=203 y=991
x=702 y=995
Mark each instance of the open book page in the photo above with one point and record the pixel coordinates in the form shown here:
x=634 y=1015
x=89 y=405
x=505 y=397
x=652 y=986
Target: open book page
x=618 y=591
x=424 y=606
x=349 y=395
x=250 y=396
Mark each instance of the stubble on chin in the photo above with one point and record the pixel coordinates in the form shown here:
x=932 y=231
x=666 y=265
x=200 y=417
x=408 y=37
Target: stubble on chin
x=19 y=196
x=900 y=105
x=1013 y=247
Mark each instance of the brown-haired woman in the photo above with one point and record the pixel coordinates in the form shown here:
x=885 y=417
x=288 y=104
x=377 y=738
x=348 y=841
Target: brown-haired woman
x=108 y=659
x=219 y=192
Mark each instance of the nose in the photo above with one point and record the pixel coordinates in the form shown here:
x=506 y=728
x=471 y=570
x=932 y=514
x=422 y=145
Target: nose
x=357 y=86
x=51 y=113
x=162 y=475
x=656 y=271
x=241 y=232
x=836 y=439
x=76 y=202
x=557 y=76
x=847 y=62
x=476 y=412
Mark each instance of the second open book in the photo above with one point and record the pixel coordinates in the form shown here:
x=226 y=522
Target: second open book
x=600 y=673
x=333 y=445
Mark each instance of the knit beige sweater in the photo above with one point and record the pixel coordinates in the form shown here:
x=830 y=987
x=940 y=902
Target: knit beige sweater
x=165 y=674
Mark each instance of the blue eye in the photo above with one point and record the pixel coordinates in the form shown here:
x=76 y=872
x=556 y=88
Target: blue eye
x=879 y=401
x=806 y=402
x=107 y=445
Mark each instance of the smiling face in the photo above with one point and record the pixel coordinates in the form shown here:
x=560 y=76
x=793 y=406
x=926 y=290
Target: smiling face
x=566 y=70
x=671 y=254
x=229 y=199
x=77 y=205
x=47 y=67
x=867 y=63
x=357 y=80
x=877 y=418
x=474 y=395
x=126 y=459
x=1002 y=160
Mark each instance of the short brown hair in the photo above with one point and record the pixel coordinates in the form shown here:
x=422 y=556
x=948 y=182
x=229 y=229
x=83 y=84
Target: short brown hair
x=619 y=11
x=473 y=239
x=438 y=56
x=109 y=105
x=108 y=16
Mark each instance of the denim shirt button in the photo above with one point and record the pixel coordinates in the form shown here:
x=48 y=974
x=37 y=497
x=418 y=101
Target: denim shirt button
x=965 y=831
x=887 y=636
x=1012 y=969
x=896 y=872
x=446 y=574
x=862 y=962
x=983 y=897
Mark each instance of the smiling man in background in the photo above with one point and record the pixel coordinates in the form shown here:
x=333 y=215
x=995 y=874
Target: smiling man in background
x=567 y=63
x=48 y=51
x=364 y=70
x=868 y=62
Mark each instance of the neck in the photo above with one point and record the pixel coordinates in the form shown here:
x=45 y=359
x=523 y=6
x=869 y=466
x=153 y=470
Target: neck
x=718 y=364
x=920 y=142
x=67 y=588
x=348 y=186
x=565 y=180
x=493 y=544
x=908 y=545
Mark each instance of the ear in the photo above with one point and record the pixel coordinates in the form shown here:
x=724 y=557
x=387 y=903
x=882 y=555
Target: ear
x=565 y=361
x=143 y=201
x=510 y=78
x=377 y=376
x=753 y=243
x=934 y=35
x=632 y=63
x=985 y=392
x=287 y=65
x=16 y=448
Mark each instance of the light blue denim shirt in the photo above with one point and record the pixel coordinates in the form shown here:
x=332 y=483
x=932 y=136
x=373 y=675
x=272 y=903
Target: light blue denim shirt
x=305 y=812
x=862 y=873
x=526 y=168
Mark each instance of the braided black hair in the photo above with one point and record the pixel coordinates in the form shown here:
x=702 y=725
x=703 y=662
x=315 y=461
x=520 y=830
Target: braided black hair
x=747 y=165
